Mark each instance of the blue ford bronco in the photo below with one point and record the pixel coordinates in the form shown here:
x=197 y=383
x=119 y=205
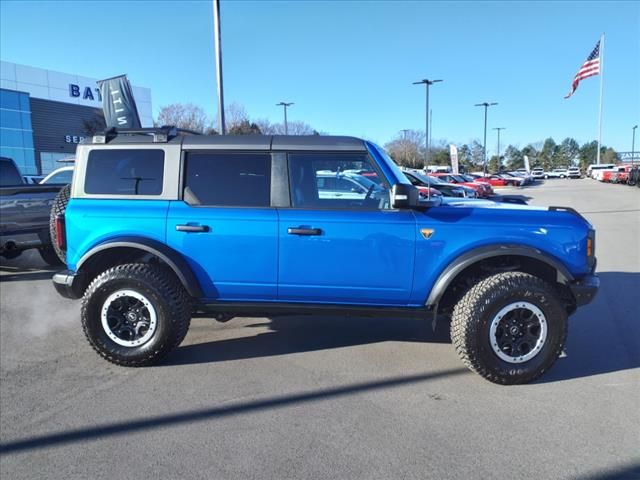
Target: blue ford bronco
x=161 y=226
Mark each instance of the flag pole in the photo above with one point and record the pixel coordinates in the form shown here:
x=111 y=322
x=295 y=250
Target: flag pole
x=601 y=88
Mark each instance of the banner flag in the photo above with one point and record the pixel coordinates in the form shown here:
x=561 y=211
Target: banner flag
x=526 y=164
x=453 y=151
x=118 y=103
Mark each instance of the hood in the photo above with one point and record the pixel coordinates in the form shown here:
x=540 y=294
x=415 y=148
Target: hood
x=478 y=203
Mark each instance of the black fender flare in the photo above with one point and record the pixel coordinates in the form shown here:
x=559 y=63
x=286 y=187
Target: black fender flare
x=173 y=259
x=469 y=258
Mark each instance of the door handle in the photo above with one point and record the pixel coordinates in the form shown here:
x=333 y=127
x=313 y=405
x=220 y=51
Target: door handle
x=304 y=231
x=192 y=228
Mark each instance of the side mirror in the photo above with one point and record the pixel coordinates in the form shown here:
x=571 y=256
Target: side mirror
x=405 y=196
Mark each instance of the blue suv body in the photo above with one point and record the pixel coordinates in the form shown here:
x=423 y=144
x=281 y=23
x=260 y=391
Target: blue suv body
x=162 y=226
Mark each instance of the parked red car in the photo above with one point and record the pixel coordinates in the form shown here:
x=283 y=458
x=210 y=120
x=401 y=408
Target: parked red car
x=609 y=176
x=485 y=185
x=480 y=189
x=492 y=180
x=623 y=174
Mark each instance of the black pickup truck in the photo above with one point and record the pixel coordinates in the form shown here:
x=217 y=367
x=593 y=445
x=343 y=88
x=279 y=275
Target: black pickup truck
x=25 y=214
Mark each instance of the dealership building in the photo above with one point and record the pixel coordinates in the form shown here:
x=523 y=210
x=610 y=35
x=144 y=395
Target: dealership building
x=44 y=114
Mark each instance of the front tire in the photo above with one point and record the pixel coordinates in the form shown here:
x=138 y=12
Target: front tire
x=134 y=314
x=509 y=328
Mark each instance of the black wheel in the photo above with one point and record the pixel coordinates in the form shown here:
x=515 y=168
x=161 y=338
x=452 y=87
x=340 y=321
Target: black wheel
x=50 y=256
x=58 y=208
x=509 y=328
x=134 y=314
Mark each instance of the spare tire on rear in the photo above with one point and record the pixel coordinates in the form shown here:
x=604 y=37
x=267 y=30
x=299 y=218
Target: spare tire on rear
x=58 y=208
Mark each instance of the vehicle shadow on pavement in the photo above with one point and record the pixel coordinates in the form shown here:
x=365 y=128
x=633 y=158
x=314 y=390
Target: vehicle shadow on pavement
x=13 y=274
x=143 y=424
x=296 y=334
x=604 y=337
x=28 y=266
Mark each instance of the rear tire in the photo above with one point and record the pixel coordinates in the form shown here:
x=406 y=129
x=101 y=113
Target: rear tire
x=58 y=208
x=509 y=328
x=50 y=256
x=135 y=314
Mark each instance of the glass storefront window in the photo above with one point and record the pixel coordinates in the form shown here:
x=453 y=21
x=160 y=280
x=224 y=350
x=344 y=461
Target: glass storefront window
x=16 y=134
x=10 y=119
x=10 y=100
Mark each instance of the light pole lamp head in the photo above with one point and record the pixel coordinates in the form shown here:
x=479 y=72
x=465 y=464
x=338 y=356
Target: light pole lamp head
x=426 y=81
x=284 y=104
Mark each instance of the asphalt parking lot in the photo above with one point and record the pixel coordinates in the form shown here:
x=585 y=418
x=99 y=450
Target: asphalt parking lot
x=331 y=398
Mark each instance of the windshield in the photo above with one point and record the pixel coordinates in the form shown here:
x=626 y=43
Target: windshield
x=391 y=164
x=364 y=181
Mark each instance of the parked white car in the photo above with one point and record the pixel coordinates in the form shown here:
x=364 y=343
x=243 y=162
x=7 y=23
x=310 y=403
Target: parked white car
x=537 y=172
x=592 y=170
x=60 y=176
x=556 y=173
x=574 y=172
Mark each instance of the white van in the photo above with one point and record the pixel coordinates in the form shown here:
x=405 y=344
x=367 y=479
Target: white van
x=592 y=169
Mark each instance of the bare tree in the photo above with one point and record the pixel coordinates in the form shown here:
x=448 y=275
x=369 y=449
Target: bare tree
x=268 y=128
x=235 y=115
x=294 y=128
x=187 y=116
x=407 y=148
x=94 y=125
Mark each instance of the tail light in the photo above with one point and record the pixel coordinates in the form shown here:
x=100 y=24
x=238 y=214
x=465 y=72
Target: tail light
x=61 y=236
x=591 y=249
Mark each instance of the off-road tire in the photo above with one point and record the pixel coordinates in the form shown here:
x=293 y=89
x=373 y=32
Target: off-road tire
x=472 y=316
x=159 y=285
x=50 y=256
x=58 y=208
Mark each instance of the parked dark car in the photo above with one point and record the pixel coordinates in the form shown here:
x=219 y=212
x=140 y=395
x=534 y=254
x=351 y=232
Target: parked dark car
x=419 y=179
x=25 y=214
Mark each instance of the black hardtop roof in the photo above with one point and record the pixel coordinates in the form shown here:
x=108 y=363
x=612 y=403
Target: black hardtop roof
x=250 y=142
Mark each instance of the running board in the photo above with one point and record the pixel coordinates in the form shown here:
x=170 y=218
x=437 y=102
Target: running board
x=266 y=309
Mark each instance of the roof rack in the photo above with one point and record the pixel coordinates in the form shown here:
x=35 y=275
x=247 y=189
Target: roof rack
x=160 y=134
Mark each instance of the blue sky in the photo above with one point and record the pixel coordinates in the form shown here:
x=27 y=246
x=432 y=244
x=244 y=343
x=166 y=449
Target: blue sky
x=348 y=66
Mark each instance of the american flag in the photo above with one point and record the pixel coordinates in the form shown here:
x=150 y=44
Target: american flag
x=588 y=69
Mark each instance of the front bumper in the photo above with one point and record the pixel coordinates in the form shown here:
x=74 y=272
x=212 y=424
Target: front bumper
x=68 y=284
x=585 y=289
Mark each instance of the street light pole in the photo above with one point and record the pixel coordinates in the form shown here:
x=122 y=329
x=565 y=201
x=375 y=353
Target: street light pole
x=218 y=49
x=285 y=105
x=427 y=83
x=633 y=144
x=486 y=105
x=404 y=142
x=498 y=129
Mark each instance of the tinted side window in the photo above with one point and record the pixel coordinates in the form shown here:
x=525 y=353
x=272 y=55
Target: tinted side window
x=335 y=180
x=125 y=172
x=8 y=174
x=228 y=179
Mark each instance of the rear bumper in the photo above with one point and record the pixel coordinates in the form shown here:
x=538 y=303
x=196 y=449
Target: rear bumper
x=585 y=289
x=68 y=284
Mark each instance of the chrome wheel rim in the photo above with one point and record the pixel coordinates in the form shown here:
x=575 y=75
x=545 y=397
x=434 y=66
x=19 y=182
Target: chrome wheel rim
x=518 y=332
x=129 y=318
